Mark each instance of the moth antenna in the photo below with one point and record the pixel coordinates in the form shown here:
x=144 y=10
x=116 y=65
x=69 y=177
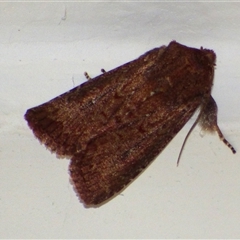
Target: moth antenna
x=222 y=138
x=87 y=76
x=214 y=128
x=185 y=140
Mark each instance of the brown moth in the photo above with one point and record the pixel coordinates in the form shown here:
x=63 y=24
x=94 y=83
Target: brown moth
x=113 y=126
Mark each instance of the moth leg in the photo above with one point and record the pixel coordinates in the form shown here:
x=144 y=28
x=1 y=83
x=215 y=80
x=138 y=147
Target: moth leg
x=87 y=76
x=186 y=138
x=208 y=121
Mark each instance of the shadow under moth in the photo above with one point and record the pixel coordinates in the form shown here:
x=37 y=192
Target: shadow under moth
x=114 y=125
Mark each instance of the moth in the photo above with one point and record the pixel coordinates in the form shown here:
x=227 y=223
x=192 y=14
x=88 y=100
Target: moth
x=114 y=125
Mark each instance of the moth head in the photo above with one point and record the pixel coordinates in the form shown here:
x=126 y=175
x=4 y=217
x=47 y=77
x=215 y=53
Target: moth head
x=210 y=54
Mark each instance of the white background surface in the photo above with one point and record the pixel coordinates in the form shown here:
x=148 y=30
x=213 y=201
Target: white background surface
x=44 y=49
